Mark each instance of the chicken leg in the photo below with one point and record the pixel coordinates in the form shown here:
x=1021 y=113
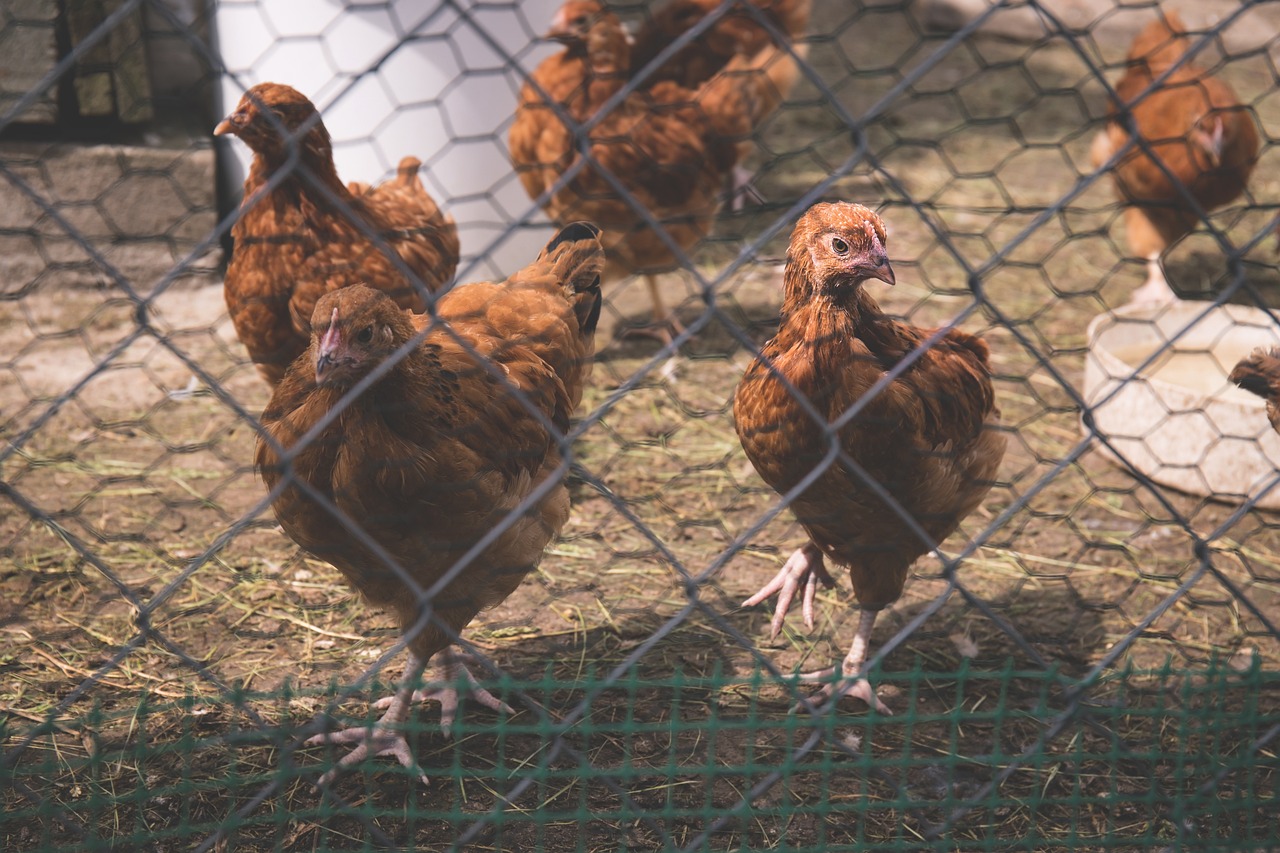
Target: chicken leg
x=452 y=665
x=742 y=189
x=850 y=668
x=385 y=737
x=1156 y=289
x=805 y=569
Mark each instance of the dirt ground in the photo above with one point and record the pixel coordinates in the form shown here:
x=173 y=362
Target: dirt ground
x=165 y=646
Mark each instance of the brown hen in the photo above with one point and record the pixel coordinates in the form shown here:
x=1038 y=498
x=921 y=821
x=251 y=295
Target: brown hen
x=667 y=148
x=735 y=33
x=1194 y=126
x=1260 y=374
x=928 y=437
x=293 y=245
x=455 y=446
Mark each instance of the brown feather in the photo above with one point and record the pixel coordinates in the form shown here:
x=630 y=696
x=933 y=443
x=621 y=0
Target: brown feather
x=671 y=147
x=735 y=33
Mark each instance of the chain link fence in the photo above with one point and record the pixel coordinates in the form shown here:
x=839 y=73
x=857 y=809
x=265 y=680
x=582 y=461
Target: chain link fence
x=1088 y=664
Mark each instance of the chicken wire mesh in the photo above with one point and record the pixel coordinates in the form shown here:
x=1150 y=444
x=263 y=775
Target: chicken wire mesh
x=1087 y=664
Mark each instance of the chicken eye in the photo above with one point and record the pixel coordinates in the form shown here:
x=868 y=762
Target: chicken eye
x=840 y=246
x=365 y=335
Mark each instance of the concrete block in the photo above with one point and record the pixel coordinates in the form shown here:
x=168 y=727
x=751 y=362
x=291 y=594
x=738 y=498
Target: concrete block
x=142 y=209
x=28 y=51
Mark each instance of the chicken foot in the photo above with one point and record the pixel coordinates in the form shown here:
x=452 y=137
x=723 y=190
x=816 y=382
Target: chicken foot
x=850 y=669
x=384 y=737
x=803 y=567
x=452 y=665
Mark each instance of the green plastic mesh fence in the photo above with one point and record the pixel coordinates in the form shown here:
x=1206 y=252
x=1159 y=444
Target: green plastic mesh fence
x=1088 y=663
x=987 y=759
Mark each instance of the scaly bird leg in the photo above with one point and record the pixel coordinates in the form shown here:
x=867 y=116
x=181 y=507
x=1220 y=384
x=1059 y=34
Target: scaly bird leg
x=384 y=737
x=452 y=665
x=1156 y=289
x=850 y=669
x=803 y=567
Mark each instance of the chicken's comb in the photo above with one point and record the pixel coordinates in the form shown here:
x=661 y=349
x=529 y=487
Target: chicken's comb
x=331 y=337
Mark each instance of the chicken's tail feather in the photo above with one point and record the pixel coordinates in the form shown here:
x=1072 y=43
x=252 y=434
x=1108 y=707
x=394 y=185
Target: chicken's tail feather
x=750 y=87
x=406 y=173
x=1260 y=374
x=577 y=258
x=1161 y=43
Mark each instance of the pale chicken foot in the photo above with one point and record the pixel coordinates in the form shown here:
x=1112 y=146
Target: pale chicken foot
x=385 y=737
x=850 y=669
x=804 y=567
x=1156 y=289
x=452 y=665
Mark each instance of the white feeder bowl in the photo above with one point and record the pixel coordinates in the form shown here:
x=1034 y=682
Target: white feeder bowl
x=1179 y=420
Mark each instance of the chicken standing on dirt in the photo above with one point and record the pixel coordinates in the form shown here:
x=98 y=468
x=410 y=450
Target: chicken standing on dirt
x=438 y=452
x=1260 y=374
x=929 y=437
x=293 y=244
x=1194 y=126
x=664 y=150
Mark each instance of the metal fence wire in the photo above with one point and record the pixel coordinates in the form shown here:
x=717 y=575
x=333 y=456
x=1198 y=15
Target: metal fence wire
x=1089 y=663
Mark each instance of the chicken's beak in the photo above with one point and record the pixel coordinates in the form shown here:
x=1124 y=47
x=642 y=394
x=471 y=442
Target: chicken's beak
x=877 y=266
x=231 y=124
x=326 y=353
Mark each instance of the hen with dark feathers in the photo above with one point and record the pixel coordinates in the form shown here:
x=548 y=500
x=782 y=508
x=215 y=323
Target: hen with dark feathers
x=458 y=437
x=736 y=32
x=668 y=147
x=302 y=233
x=928 y=438
x=1202 y=141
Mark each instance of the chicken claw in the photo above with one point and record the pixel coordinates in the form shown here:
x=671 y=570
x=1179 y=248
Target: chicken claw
x=804 y=566
x=850 y=668
x=452 y=665
x=859 y=689
x=383 y=738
